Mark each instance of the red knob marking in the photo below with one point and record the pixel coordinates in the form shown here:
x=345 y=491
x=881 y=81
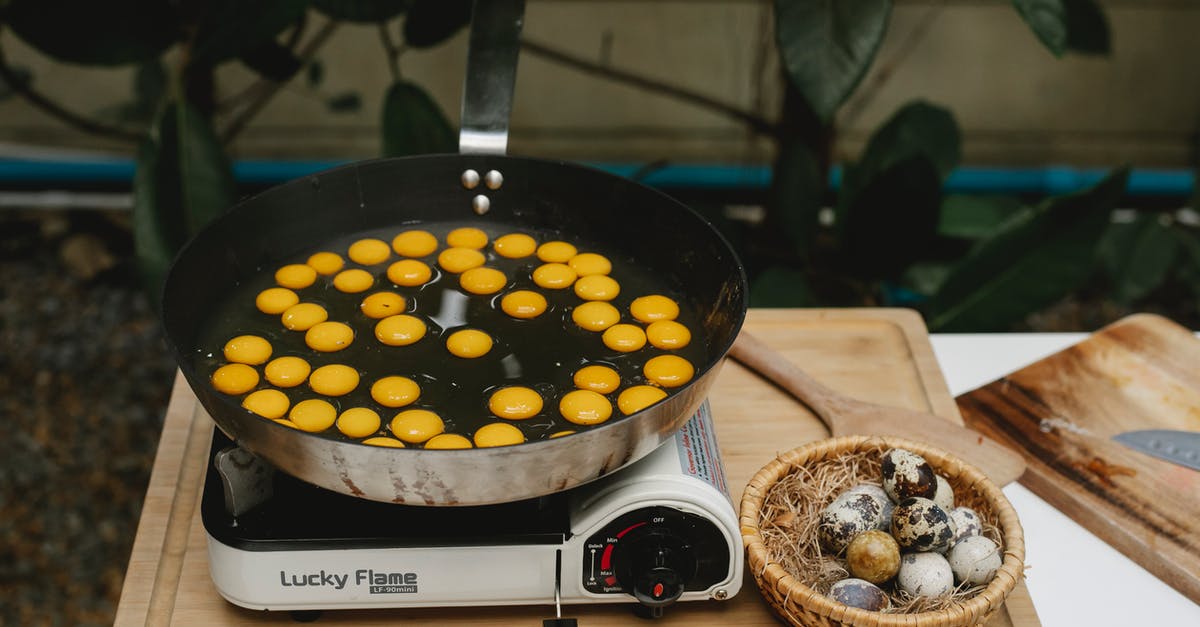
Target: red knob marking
x=658 y=590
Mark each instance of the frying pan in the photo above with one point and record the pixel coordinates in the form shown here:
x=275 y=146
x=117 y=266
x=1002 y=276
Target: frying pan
x=255 y=236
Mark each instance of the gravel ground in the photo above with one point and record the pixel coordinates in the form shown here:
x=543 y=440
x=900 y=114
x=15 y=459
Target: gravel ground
x=84 y=383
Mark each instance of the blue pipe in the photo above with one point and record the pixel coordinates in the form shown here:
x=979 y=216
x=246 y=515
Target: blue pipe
x=1047 y=180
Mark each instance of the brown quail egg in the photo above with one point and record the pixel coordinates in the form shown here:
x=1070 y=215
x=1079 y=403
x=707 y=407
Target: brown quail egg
x=925 y=575
x=974 y=560
x=858 y=593
x=919 y=525
x=873 y=556
x=846 y=517
x=944 y=495
x=906 y=474
x=966 y=523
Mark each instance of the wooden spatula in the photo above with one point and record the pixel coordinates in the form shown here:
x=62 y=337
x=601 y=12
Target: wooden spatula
x=845 y=416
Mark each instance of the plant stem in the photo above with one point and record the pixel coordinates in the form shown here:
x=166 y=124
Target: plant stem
x=393 y=51
x=270 y=87
x=755 y=122
x=20 y=86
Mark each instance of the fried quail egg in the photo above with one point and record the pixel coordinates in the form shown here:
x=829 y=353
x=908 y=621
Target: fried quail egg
x=382 y=304
x=585 y=407
x=448 y=441
x=588 y=264
x=313 y=415
x=353 y=281
x=400 y=330
x=287 y=372
x=395 y=391
x=514 y=245
x=556 y=252
x=459 y=260
x=329 y=337
x=267 y=403
x=275 y=300
x=417 y=425
x=858 y=593
x=624 y=338
x=523 y=304
x=302 y=316
x=333 y=380
x=554 y=276
x=415 y=243
x=597 y=287
x=469 y=343
x=595 y=315
x=668 y=335
x=873 y=555
x=483 y=280
x=846 y=517
x=368 y=252
x=921 y=525
x=974 y=560
x=597 y=378
x=384 y=441
x=326 y=263
x=409 y=273
x=515 y=403
x=297 y=276
x=247 y=349
x=234 y=379
x=669 y=371
x=925 y=575
x=358 y=422
x=498 y=434
x=653 y=308
x=466 y=237
x=634 y=399
x=906 y=474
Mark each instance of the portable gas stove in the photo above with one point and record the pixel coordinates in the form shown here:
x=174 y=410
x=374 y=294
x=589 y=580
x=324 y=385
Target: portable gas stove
x=658 y=531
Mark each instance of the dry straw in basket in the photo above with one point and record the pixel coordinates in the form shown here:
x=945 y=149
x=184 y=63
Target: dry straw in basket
x=780 y=506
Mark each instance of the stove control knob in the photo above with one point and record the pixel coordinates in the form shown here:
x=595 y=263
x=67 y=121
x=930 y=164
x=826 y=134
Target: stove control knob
x=658 y=587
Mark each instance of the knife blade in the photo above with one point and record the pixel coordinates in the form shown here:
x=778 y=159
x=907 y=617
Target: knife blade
x=1179 y=447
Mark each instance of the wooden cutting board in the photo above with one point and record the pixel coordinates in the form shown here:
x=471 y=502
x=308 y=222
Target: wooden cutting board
x=1142 y=372
x=880 y=355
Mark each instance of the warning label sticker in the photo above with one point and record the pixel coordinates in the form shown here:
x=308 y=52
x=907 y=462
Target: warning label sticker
x=699 y=455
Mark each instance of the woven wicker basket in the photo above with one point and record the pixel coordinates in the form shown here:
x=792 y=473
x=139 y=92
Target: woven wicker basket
x=801 y=605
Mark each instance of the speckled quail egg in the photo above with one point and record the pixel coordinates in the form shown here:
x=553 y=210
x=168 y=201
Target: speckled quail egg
x=858 y=593
x=873 y=556
x=906 y=474
x=966 y=523
x=944 y=495
x=920 y=525
x=875 y=490
x=846 y=517
x=974 y=560
x=925 y=575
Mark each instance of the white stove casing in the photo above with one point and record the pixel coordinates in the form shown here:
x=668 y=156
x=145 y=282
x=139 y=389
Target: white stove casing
x=684 y=474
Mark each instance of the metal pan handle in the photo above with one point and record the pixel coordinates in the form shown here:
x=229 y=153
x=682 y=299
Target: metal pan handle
x=491 y=74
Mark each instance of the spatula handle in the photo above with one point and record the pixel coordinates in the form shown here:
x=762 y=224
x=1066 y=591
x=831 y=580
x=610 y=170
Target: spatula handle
x=756 y=355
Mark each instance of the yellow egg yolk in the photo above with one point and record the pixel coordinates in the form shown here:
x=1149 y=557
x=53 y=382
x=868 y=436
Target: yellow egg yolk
x=417 y=425
x=635 y=399
x=313 y=415
x=597 y=287
x=554 y=276
x=287 y=372
x=466 y=237
x=515 y=403
x=384 y=441
x=333 y=380
x=585 y=407
x=624 y=338
x=668 y=334
x=559 y=434
x=409 y=273
x=368 y=252
x=395 y=391
x=235 y=379
x=597 y=378
x=414 y=243
x=247 y=349
x=654 y=308
x=296 y=276
x=483 y=280
x=456 y=260
x=400 y=330
x=556 y=252
x=523 y=304
x=469 y=343
x=595 y=315
x=358 y=422
x=514 y=245
x=669 y=371
x=382 y=304
x=326 y=263
x=302 y=316
x=588 y=264
x=448 y=441
x=329 y=337
x=275 y=300
x=498 y=434
x=267 y=403
x=287 y=423
x=353 y=281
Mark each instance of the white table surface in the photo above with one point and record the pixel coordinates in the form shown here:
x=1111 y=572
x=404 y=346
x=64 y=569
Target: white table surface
x=1075 y=579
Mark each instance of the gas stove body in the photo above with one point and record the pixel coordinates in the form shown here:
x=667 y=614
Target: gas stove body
x=659 y=531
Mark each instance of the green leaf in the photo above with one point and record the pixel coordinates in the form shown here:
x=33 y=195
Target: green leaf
x=918 y=129
x=183 y=181
x=113 y=32
x=232 y=28
x=975 y=217
x=414 y=124
x=1087 y=28
x=149 y=85
x=892 y=221
x=778 y=286
x=1037 y=257
x=344 y=102
x=926 y=277
x=362 y=10
x=797 y=192
x=272 y=60
x=827 y=46
x=1048 y=19
x=1138 y=255
x=430 y=22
